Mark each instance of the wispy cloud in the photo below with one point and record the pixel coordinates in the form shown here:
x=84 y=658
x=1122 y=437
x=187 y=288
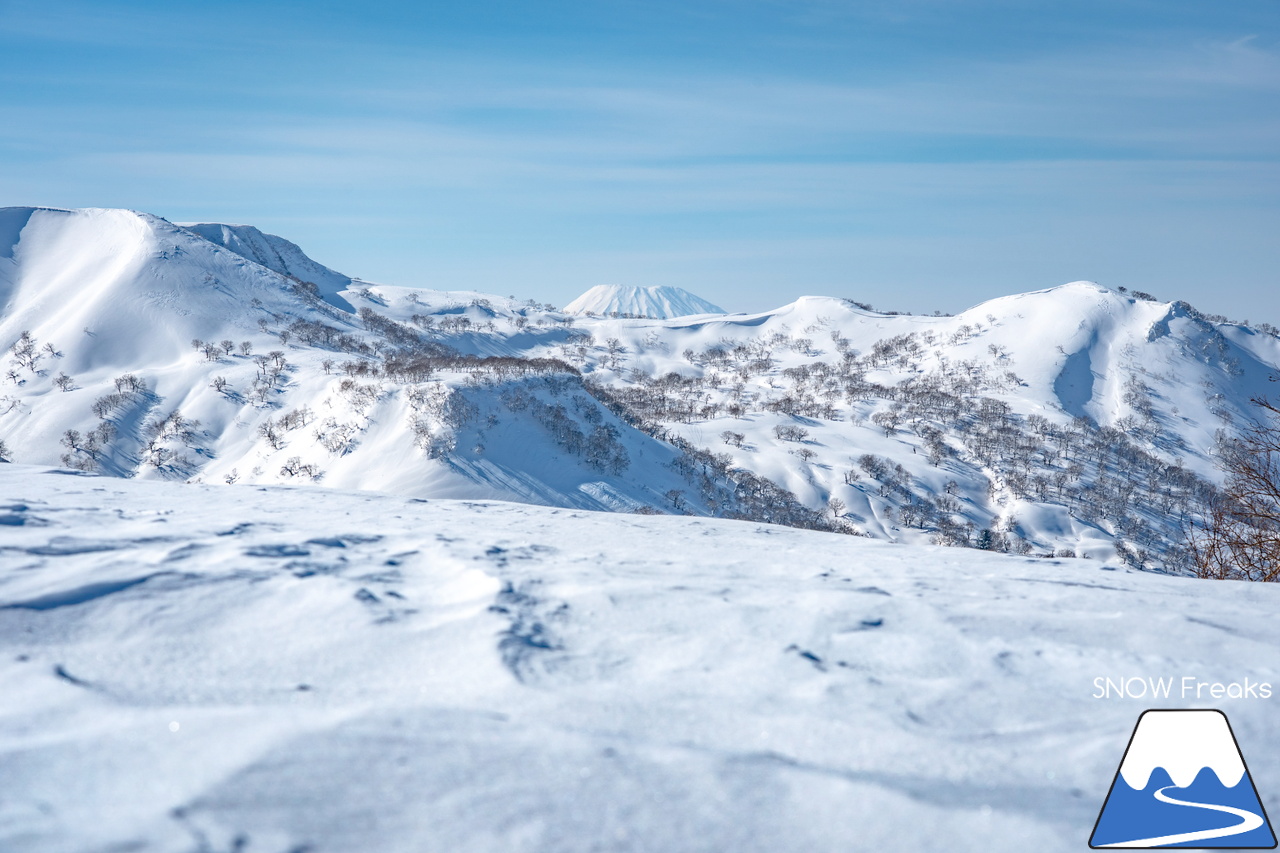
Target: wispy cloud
x=594 y=159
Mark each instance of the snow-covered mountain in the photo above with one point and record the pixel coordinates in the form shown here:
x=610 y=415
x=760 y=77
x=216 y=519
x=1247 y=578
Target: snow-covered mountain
x=191 y=667
x=658 y=303
x=344 y=658
x=1071 y=421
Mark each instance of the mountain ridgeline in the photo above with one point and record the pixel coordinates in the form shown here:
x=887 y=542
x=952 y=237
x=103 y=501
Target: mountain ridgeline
x=1070 y=422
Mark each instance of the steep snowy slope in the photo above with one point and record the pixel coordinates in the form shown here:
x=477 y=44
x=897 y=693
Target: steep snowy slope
x=157 y=353
x=657 y=302
x=240 y=669
x=115 y=289
x=276 y=253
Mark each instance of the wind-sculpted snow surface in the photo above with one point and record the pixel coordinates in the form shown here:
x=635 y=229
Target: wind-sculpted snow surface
x=272 y=670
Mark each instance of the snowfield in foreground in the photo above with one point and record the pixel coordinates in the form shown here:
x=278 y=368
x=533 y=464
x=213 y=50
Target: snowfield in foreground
x=199 y=668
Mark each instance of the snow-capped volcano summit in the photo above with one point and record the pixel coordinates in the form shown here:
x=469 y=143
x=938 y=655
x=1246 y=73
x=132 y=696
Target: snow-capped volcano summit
x=659 y=303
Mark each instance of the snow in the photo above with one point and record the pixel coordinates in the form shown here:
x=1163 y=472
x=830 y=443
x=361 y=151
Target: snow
x=278 y=254
x=663 y=302
x=430 y=614
x=118 y=293
x=277 y=669
x=118 y=289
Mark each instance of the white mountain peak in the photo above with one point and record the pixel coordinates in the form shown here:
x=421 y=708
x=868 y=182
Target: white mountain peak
x=660 y=303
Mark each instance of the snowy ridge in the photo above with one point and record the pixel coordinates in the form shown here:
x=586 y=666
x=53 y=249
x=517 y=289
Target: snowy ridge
x=1183 y=743
x=278 y=254
x=659 y=303
x=129 y=289
x=1072 y=421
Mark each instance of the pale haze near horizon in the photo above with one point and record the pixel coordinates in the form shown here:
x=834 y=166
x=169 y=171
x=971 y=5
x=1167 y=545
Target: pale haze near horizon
x=917 y=156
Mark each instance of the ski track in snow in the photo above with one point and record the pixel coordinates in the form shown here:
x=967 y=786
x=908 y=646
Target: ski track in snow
x=271 y=669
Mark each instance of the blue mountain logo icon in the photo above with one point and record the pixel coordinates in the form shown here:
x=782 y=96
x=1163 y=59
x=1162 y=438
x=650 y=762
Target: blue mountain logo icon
x=1183 y=783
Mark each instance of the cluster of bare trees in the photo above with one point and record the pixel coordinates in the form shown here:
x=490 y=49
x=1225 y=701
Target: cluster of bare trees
x=216 y=350
x=27 y=353
x=272 y=430
x=1111 y=476
x=437 y=412
x=1238 y=534
x=270 y=374
x=84 y=449
x=726 y=490
x=595 y=442
x=161 y=433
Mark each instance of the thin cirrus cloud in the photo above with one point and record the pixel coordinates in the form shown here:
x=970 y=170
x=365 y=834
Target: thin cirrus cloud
x=505 y=159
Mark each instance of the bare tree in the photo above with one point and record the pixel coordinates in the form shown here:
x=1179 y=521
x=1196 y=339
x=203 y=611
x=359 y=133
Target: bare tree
x=788 y=432
x=72 y=439
x=294 y=467
x=268 y=430
x=24 y=351
x=1239 y=535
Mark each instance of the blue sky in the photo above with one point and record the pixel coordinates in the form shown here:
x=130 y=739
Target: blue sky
x=917 y=154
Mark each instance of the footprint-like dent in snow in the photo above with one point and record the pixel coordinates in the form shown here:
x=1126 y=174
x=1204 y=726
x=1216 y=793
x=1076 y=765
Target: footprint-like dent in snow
x=343 y=541
x=529 y=646
x=282 y=550
x=818 y=663
x=63 y=546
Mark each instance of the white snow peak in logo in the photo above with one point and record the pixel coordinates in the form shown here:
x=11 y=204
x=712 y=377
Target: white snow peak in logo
x=1183 y=783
